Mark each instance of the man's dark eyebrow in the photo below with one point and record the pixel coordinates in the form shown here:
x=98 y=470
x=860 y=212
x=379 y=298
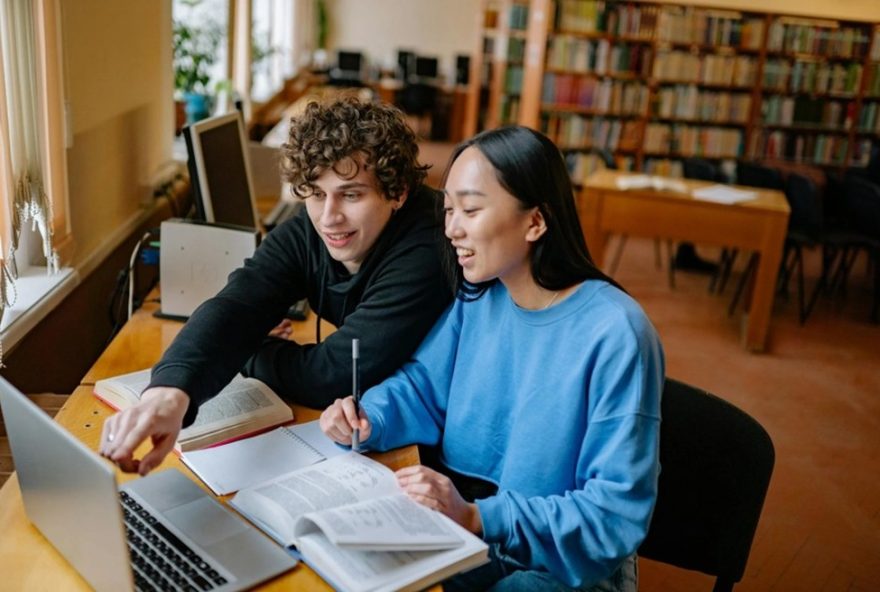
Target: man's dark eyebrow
x=354 y=185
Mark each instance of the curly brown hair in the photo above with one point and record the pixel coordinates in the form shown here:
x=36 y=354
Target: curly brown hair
x=343 y=135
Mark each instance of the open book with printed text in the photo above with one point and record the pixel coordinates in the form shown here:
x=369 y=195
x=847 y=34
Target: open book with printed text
x=352 y=524
x=245 y=406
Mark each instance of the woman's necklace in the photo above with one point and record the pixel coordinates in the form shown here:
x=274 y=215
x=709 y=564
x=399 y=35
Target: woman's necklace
x=552 y=300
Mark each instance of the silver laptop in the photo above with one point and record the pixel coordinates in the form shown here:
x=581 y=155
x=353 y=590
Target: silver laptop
x=160 y=532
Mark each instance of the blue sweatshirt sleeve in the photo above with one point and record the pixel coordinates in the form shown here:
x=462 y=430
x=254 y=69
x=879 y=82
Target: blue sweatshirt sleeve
x=410 y=406
x=582 y=535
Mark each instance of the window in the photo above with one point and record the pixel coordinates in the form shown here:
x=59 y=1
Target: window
x=273 y=46
x=205 y=24
x=34 y=227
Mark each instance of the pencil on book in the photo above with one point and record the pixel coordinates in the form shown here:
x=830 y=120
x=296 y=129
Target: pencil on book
x=356 y=391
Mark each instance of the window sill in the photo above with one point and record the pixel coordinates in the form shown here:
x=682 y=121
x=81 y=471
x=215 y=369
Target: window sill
x=38 y=294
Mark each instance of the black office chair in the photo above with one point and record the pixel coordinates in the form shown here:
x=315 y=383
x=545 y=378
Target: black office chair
x=804 y=230
x=858 y=229
x=419 y=99
x=716 y=463
x=753 y=175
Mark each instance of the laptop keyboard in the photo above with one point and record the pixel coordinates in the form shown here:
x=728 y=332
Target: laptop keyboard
x=160 y=559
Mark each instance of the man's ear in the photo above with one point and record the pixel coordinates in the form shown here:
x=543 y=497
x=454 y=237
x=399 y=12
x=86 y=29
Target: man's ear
x=537 y=225
x=400 y=199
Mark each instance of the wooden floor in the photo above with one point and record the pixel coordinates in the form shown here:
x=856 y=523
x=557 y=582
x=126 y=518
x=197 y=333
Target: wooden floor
x=817 y=392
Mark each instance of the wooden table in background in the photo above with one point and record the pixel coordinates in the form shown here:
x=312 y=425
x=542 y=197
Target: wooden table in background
x=757 y=225
x=27 y=560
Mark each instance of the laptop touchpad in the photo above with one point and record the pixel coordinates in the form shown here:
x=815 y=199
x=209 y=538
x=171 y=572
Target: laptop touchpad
x=205 y=521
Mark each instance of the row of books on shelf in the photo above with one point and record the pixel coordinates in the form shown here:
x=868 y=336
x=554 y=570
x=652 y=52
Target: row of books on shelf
x=600 y=56
x=573 y=131
x=665 y=167
x=689 y=25
x=809 y=111
x=688 y=140
x=722 y=70
x=812 y=77
x=809 y=148
x=513 y=80
x=598 y=16
x=603 y=95
x=509 y=109
x=872 y=84
x=518 y=18
x=789 y=37
x=861 y=152
x=583 y=164
x=687 y=101
x=516 y=49
x=869 y=117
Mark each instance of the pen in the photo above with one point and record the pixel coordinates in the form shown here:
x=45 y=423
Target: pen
x=356 y=390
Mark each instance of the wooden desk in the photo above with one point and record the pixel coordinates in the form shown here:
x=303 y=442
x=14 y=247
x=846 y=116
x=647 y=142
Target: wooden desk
x=144 y=337
x=27 y=560
x=757 y=225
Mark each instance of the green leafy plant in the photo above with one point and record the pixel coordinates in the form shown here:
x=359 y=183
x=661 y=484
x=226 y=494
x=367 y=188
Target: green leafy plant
x=195 y=51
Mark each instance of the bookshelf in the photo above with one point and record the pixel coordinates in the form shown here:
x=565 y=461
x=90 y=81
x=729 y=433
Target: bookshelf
x=497 y=67
x=653 y=83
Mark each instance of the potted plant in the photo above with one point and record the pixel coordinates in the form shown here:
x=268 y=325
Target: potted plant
x=195 y=51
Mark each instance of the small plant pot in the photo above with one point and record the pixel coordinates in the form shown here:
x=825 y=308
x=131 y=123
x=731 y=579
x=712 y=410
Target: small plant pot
x=197 y=107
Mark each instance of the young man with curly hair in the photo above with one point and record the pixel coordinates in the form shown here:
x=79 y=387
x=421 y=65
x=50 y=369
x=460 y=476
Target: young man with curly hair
x=365 y=253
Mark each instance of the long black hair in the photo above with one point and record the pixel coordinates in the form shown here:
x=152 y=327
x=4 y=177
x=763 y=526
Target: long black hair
x=530 y=167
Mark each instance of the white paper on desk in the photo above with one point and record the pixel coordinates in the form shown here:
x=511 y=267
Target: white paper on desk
x=627 y=182
x=251 y=461
x=723 y=194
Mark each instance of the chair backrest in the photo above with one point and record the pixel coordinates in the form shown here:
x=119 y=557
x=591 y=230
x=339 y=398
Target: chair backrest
x=806 y=206
x=700 y=168
x=716 y=463
x=861 y=208
x=417 y=98
x=756 y=175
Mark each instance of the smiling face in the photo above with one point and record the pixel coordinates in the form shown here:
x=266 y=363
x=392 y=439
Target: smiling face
x=491 y=232
x=349 y=213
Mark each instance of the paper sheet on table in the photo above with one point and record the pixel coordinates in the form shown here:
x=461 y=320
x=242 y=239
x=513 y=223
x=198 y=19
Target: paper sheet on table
x=723 y=194
x=244 y=463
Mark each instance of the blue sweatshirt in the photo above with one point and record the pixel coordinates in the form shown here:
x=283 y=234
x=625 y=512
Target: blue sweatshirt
x=560 y=408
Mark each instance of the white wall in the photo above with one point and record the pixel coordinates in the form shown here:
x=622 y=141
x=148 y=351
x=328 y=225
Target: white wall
x=381 y=27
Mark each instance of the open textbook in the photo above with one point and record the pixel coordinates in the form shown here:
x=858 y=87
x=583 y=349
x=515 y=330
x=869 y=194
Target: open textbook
x=245 y=406
x=352 y=524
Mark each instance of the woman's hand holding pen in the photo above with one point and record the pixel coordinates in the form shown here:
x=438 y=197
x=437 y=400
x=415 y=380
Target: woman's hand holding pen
x=436 y=491
x=340 y=419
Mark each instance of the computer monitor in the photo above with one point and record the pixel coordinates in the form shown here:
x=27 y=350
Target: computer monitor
x=462 y=69
x=220 y=171
x=426 y=67
x=406 y=63
x=349 y=65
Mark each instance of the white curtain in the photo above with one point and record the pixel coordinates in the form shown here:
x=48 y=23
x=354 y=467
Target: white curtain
x=30 y=203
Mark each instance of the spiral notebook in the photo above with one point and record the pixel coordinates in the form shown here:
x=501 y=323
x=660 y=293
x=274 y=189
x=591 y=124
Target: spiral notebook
x=244 y=463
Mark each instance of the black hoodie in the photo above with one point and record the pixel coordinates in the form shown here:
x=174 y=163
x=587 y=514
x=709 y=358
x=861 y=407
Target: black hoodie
x=389 y=304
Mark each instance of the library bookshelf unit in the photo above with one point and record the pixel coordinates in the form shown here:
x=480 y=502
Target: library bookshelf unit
x=497 y=66
x=653 y=83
